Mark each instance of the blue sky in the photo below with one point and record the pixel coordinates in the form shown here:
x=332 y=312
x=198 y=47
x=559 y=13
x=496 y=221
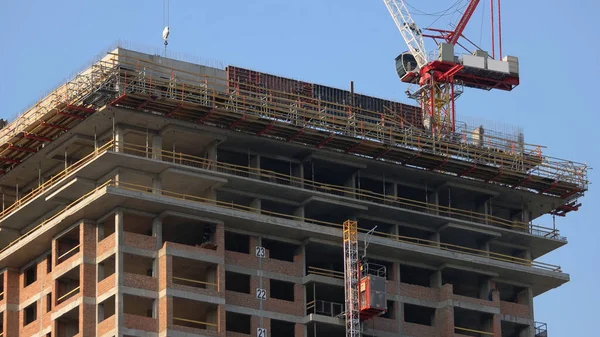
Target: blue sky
x=333 y=42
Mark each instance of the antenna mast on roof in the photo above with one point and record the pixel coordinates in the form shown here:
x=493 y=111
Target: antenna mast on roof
x=166 y=13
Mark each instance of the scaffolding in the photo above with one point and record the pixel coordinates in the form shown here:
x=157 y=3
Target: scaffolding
x=127 y=81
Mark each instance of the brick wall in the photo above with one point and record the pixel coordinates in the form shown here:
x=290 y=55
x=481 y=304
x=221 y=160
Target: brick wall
x=515 y=309
x=139 y=281
x=418 y=330
x=140 y=322
x=107 y=284
x=420 y=292
x=106 y=325
x=107 y=244
x=139 y=241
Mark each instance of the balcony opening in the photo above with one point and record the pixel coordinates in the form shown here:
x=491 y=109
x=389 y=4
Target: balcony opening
x=419 y=315
x=510 y=329
x=511 y=293
x=239 y=283
x=282 y=290
x=106 y=268
x=49 y=264
x=509 y=251
x=329 y=330
x=411 y=233
x=138 y=224
x=414 y=194
x=372 y=185
x=195 y=314
x=322 y=172
x=139 y=265
x=458 y=238
x=138 y=306
x=382 y=227
x=278 y=209
x=106 y=309
x=472 y=323
x=276 y=171
x=324 y=299
x=234 y=158
x=67 y=245
x=30 y=275
x=189 y=232
x=466 y=283
x=324 y=260
x=236 y=242
x=67 y=325
x=106 y=228
x=2 y=324
x=280 y=250
x=415 y=275
x=231 y=199
x=282 y=328
x=30 y=314
x=194 y=273
x=239 y=323
x=67 y=285
x=391 y=310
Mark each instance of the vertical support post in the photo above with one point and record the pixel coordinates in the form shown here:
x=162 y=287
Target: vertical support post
x=351 y=278
x=119 y=240
x=492 y=24
x=499 y=30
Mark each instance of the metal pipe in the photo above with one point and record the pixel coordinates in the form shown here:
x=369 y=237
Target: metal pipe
x=499 y=30
x=492 y=24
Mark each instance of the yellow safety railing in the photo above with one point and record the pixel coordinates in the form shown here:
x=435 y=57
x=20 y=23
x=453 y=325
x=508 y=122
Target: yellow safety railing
x=186 y=320
x=361 y=194
x=202 y=283
x=473 y=331
x=422 y=242
x=67 y=295
x=58 y=259
x=326 y=272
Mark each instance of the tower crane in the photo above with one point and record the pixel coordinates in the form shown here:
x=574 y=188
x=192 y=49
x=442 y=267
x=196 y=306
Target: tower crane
x=442 y=75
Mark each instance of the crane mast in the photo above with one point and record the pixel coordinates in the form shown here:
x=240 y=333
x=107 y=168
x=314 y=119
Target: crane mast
x=351 y=278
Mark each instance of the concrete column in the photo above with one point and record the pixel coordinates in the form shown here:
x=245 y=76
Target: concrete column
x=256 y=204
x=298 y=172
x=157 y=185
x=119 y=240
x=211 y=155
x=87 y=277
x=485 y=246
x=299 y=212
x=254 y=163
x=157 y=232
x=351 y=183
x=119 y=138
x=435 y=280
x=436 y=237
x=486 y=210
x=157 y=147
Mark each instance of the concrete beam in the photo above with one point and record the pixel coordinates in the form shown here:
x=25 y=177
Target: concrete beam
x=457 y=185
x=468 y=269
x=452 y=225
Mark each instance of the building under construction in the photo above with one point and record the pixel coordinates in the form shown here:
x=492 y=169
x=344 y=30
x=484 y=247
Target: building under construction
x=154 y=197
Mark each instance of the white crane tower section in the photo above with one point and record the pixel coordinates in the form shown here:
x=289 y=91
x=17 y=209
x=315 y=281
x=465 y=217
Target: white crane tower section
x=409 y=30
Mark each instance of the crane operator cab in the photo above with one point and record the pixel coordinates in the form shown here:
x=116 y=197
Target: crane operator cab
x=407 y=67
x=372 y=297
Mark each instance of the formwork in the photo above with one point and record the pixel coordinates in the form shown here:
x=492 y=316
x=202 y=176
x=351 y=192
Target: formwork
x=287 y=110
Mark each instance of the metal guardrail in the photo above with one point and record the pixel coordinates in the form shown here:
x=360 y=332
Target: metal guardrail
x=473 y=331
x=325 y=308
x=186 y=320
x=541 y=329
x=59 y=258
x=67 y=295
x=197 y=283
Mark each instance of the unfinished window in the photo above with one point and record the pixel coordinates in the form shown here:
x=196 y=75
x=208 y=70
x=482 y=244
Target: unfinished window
x=415 y=275
x=282 y=290
x=267 y=206
x=189 y=232
x=418 y=315
x=2 y=286
x=138 y=224
x=472 y=323
x=391 y=310
x=136 y=264
x=195 y=314
x=194 y=273
x=237 y=242
x=237 y=282
x=49 y=302
x=67 y=245
x=30 y=313
x=67 y=325
x=466 y=283
x=106 y=309
x=138 y=306
x=49 y=264
x=106 y=268
x=281 y=328
x=511 y=293
x=237 y=323
x=106 y=228
x=30 y=275
x=67 y=285
x=279 y=250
